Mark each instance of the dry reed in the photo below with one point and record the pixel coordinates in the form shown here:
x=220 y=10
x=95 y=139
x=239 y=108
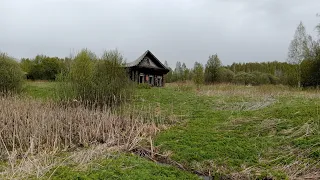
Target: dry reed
x=31 y=129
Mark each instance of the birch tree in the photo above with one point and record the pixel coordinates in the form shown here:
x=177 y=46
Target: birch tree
x=298 y=49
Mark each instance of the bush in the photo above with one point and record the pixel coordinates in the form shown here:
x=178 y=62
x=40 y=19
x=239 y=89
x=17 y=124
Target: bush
x=273 y=79
x=255 y=78
x=225 y=75
x=198 y=77
x=244 y=78
x=260 y=78
x=42 y=67
x=310 y=74
x=144 y=86
x=11 y=75
x=111 y=82
x=101 y=81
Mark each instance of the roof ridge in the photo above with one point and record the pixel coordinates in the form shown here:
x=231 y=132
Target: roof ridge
x=140 y=58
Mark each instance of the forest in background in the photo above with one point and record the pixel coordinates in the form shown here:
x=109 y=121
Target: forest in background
x=300 y=69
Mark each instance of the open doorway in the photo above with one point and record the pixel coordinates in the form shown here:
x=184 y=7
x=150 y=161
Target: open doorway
x=151 y=80
x=141 y=78
x=159 y=81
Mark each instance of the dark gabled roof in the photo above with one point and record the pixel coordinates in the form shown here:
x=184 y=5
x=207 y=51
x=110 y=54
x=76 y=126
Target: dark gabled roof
x=137 y=62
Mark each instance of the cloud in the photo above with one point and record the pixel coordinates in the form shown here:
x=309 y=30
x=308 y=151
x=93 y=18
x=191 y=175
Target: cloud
x=174 y=30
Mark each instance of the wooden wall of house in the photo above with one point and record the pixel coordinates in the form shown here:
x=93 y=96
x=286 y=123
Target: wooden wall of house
x=135 y=76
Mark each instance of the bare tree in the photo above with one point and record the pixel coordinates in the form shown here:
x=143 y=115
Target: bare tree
x=298 y=49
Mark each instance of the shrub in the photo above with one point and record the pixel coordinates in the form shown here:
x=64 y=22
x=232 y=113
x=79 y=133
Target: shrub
x=273 y=79
x=255 y=78
x=310 y=74
x=198 y=77
x=42 y=67
x=93 y=80
x=260 y=78
x=244 y=78
x=111 y=83
x=26 y=66
x=11 y=75
x=81 y=75
x=225 y=75
x=144 y=86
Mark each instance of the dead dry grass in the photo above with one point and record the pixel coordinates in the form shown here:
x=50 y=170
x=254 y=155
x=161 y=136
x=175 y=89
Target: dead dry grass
x=264 y=91
x=32 y=133
x=39 y=165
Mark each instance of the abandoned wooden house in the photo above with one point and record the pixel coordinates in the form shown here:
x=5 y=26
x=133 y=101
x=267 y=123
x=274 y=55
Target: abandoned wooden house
x=147 y=69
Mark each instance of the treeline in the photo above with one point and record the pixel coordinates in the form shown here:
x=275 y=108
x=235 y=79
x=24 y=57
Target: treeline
x=47 y=68
x=301 y=69
x=86 y=78
x=277 y=72
x=43 y=67
x=237 y=73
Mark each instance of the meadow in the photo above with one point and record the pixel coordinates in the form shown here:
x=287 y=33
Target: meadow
x=177 y=132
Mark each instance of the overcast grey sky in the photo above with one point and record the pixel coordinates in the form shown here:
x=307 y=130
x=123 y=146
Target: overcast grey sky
x=174 y=30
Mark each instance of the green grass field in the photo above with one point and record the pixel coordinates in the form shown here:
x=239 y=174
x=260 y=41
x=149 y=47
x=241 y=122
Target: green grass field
x=120 y=166
x=222 y=130
x=40 y=89
x=257 y=134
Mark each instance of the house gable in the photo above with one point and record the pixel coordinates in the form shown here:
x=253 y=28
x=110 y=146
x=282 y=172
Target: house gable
x=149 y=63
x=148 y=60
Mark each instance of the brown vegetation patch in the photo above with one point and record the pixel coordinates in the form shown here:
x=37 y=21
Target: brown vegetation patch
x=33 y=133
x=263 y=91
